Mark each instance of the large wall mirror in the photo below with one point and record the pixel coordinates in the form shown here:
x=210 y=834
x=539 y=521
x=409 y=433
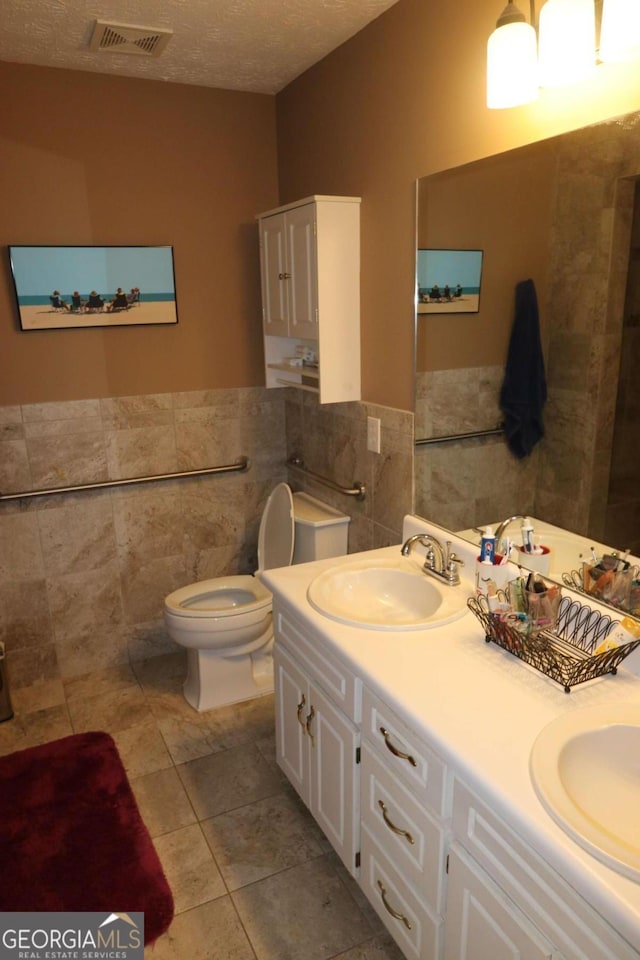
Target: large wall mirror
x=564 y=212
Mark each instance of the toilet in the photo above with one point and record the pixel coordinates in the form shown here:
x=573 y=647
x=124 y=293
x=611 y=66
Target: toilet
x=226 y=623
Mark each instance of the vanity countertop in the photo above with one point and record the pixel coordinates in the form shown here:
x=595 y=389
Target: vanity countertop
x=481 y=709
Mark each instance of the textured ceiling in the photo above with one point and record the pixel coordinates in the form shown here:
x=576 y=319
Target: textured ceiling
x=250 y=45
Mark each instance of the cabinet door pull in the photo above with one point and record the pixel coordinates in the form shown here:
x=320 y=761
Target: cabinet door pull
x=392 y=826
x=310 y=717
x=300 y=709
x=394 y=750
x=389 y=909
x=284 y=276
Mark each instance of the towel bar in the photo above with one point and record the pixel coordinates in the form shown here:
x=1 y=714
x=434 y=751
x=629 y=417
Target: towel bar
x=358 y=490
x=461 y=436
x=243 y=464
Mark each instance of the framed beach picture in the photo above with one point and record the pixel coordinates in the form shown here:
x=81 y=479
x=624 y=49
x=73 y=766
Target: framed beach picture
x=63 y=287
x=449 y=281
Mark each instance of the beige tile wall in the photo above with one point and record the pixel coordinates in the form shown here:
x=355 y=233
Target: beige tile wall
x=590 y=255
x=469 y=482
x=331 y=440
x=83 y=575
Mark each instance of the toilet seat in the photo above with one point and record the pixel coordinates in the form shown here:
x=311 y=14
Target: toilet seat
x=219 y=598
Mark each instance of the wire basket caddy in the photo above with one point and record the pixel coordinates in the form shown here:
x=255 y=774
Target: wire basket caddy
x=625 y=600
x=565 y=654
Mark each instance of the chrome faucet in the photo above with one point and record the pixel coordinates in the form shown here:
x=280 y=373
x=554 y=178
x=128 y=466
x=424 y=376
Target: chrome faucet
x=440 y=562
x=500 y=529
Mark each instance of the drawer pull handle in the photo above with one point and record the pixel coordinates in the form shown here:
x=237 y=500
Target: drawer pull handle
x=284 y=276
x=394 y=913
x=392 y=826
x=312 y=714
x=394 y=750
x=301 y=706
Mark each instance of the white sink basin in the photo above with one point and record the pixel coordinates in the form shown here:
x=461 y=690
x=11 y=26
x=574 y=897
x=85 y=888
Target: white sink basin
x=386 y=595
x=585 y=767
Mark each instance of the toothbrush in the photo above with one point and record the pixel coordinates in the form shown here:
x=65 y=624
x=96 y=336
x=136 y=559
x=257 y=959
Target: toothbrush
x=623 y=560
x=507 y=553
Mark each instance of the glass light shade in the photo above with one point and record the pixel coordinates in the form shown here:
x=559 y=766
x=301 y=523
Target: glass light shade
x=620 y=30
x=512 y=66
x=567 y=45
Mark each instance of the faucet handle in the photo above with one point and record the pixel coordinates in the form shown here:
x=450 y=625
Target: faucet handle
x=430 y=558
x=452 y=565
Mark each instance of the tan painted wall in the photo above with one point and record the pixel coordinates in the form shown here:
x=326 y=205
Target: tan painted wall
x=90 y=159
x=94 y=159
x=402 y=99
x=502 y=205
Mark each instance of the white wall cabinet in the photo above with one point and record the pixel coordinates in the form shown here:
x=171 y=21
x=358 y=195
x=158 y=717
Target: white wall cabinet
x=317 y=748
x=310 y=276
x=289 y=273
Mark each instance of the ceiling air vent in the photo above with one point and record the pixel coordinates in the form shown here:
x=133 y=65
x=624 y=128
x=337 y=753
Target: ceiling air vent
x=129 y=38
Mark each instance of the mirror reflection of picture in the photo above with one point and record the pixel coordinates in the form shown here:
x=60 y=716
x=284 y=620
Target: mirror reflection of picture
x=93 y=286
x=449 y=281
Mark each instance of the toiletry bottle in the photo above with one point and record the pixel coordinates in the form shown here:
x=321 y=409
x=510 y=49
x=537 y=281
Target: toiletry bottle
x=527 y=536
x=487 y=546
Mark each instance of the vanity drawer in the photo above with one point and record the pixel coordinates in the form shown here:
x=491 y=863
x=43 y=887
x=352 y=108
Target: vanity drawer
x=405 y=754
x=403 y=829
x=324 y=669
x=555 y=908
x=415 y=929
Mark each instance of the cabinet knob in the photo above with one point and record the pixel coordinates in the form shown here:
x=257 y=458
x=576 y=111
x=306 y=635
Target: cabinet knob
x=284 y=276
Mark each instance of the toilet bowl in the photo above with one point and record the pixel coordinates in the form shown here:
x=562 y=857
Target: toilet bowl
x=225 y=623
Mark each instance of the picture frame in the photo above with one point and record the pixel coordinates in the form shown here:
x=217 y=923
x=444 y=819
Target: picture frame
x=449 y=281
x=65 y=287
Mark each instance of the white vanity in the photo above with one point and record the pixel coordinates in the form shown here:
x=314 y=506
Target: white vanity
x=411 y=749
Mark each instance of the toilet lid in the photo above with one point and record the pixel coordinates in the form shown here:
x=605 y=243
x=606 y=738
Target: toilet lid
x=275 y=539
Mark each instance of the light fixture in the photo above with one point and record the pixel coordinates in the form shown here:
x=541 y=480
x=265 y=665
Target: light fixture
x=512 y=67
x=566 y=46
x=567 y=42
x=620 y=31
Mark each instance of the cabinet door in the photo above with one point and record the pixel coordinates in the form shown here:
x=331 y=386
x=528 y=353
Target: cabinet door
x=274 y=275
x=481 y=922
x=302 y=259
x=334 y=794
x=292 y=710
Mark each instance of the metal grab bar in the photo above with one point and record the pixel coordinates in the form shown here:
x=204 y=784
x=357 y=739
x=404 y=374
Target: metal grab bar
x=358 y=490
x=243 y=464
x=461 y=436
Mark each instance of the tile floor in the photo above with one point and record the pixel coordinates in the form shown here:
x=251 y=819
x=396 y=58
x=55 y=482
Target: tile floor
x=253 y=877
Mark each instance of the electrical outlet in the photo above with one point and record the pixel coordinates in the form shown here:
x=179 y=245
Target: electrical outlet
x=373 y=434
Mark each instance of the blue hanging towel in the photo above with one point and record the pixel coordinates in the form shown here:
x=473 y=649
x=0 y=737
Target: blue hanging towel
x=524 y=390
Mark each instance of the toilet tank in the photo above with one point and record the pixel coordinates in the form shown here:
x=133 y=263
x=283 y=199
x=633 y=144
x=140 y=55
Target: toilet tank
x=320 y=530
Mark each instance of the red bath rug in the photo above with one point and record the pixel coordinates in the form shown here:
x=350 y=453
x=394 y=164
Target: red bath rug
x=71 y=835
